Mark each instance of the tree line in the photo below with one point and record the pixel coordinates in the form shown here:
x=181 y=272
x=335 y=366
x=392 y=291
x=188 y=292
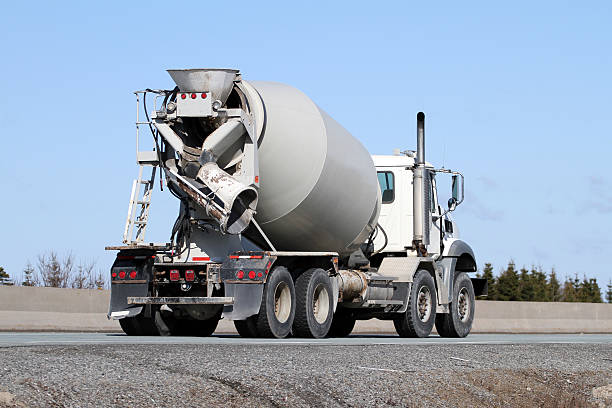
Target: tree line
x=534 y=285
x=55 y=271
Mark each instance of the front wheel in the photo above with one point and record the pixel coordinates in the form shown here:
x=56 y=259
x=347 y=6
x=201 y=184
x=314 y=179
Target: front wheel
x=458 y=322
x=277 y=309
x=418 y=319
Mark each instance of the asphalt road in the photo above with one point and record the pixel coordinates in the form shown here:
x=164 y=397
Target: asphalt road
x=8 y=339
x=482 y=370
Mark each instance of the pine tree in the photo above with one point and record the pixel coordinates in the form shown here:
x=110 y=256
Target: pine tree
x=593 y=292
x=29 y=279
x=5 y=278
x=553 y=287
x=508 y=284
x=526 y=292
x=609 y=292
x=539 y=284
x=570 y=289
x=487 y=273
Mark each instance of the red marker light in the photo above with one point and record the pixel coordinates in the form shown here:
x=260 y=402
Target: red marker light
x=174 y=275
x=259 y=274
x=183 y=96
x=193 y=96
x=189 y=276
x=114 y=274
x=133 y=274
x=252 y=275
x=122 y=274
x=240 y=274
x=203 y=96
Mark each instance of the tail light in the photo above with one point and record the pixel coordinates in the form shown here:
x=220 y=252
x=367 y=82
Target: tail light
x=252 y=275
x=240 y=274
x=133 y=274
x=113 y=274
x=189 y=276
x=174 y=275
x=121 y=274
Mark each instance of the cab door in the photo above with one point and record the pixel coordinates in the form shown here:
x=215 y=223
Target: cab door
x=435 y=220
x=395 y=212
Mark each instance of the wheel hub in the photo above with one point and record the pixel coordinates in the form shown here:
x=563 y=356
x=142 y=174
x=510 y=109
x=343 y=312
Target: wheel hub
x=320 y=304
x=282 y=302
x=463 y=305
x=424 y=305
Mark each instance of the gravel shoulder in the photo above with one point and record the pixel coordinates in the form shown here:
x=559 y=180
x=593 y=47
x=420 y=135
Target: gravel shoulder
x=201 y=375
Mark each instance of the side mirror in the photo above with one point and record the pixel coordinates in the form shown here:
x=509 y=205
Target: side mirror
x=455 y=190
x=452 y=203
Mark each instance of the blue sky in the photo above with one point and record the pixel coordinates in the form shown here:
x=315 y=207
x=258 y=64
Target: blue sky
x=517 y=96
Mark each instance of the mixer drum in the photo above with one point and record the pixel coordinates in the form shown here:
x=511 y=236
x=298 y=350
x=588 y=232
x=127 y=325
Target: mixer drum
x=318 y=185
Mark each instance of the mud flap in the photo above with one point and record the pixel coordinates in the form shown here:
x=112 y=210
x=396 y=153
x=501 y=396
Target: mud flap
x=247 y=299
x=118 y=307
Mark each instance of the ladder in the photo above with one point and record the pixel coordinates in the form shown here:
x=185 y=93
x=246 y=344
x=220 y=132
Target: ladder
x=138 y=210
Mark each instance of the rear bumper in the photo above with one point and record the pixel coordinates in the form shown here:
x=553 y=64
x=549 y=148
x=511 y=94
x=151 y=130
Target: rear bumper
x=187 y=300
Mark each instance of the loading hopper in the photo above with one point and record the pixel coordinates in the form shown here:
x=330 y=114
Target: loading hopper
x=219 y=82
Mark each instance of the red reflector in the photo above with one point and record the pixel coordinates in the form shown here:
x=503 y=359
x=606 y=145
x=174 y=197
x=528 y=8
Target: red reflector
x=174 y=275
x=252 y=275
x=183 y=96
x=257 y=179
x=203 y=96
x=121 y=274
x=259 y=274
x=256 y=256
x=189 y=275
x=240 y=274
x=268 y=266
x=133 y=274
x=114 y=274
x=201 y=258
x=234 y=257
x=193 y=96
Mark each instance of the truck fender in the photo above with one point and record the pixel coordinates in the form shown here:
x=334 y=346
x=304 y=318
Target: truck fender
x=458 y=257
x=118 y=307
x=247 y=300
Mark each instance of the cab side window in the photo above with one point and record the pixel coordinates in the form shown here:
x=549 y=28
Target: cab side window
x=387 y=186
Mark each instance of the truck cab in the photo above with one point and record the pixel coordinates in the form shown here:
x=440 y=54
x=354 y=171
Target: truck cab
x=395 y=177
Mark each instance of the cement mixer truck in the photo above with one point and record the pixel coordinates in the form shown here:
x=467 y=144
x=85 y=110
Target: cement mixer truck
x=287 y=226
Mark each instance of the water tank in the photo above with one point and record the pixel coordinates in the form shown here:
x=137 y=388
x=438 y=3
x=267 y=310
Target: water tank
x=318 y=185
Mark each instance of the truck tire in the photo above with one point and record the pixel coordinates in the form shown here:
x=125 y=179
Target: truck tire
x=168 y=325
x=277 y=309
x=418 y=319
x=247 y=328
x=314 y=310
x=342 y=325
x=138 y=326
x=458 y=322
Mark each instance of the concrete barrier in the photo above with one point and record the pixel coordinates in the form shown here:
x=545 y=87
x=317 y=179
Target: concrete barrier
x=53 y=309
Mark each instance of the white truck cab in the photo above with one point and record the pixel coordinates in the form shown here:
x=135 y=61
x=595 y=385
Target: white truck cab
x=395 y=177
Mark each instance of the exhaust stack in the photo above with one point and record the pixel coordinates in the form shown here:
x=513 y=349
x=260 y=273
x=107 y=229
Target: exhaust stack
x=421 y=193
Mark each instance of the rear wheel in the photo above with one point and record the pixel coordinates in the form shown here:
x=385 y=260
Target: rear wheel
x=247 y=328
x=168 y=325
x=342 y=324
x=458 y=322
x=419 y=318
x=138 y=326
x=277 y=309
x=314 y=304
